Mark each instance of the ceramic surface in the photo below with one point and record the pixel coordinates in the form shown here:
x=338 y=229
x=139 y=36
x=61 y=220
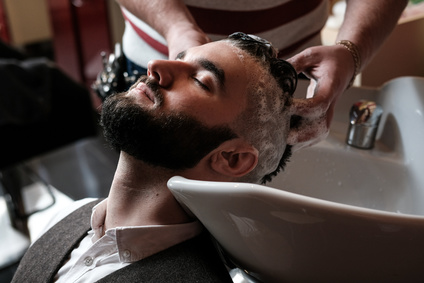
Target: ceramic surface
x=336 y=214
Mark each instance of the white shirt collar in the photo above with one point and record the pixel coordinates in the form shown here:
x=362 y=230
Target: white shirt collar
x=137 y=242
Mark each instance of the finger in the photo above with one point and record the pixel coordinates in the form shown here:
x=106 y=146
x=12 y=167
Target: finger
x=324 y=91
x=297 y=61
x=308 y=132
x=310 y=92
x=330 y=114
x=310 y=107
x=304 y=60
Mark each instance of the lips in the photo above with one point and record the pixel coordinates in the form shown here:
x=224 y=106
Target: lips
x=141 y=90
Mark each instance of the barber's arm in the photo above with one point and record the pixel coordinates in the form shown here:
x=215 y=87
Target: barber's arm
x=171 y=19
x=366 y=24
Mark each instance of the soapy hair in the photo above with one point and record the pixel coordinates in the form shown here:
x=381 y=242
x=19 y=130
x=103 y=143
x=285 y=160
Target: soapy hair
x=265 y=122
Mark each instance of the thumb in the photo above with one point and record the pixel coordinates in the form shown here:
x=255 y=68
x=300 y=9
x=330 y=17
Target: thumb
x=301 y=61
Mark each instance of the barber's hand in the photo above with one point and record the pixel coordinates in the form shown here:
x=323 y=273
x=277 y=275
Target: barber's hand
x=330 y=69
x=184 y=37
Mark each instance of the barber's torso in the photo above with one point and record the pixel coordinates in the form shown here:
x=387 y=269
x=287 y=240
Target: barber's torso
x=290 y=25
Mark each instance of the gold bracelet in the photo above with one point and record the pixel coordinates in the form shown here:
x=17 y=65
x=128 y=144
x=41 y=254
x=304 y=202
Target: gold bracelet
x=353 y=49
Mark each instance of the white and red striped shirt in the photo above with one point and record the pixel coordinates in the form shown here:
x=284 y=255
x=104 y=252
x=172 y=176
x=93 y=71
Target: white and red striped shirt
x=290 y=25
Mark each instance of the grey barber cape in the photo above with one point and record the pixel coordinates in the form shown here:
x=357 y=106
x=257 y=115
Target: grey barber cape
x=194 y=260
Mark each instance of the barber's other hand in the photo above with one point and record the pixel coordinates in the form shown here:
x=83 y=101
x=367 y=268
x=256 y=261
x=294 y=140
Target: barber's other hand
x=183 y=37
x=330 y=69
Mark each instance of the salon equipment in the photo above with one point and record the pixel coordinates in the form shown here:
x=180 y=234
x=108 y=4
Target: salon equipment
x=113 y=78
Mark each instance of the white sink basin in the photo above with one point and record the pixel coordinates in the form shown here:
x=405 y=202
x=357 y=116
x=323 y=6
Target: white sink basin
x=334 y=171
x=337 y=213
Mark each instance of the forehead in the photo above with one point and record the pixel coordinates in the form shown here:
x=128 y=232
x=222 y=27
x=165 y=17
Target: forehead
x=217 y=50
x=235 y=62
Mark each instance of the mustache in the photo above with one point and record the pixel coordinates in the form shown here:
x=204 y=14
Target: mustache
x=154 y=86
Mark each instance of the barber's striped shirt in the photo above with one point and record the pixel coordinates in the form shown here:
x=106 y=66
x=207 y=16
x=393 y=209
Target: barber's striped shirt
x=290 y=25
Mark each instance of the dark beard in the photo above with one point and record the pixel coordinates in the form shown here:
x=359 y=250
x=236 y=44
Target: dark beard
x=171 y=140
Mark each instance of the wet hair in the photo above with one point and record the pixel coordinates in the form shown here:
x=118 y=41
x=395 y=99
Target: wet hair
x=282 y=71
x=265 y=122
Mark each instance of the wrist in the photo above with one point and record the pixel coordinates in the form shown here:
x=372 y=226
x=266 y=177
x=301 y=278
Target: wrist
x=354 y=51
x=184 y=37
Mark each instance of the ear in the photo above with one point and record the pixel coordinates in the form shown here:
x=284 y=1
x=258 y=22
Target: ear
x=234 y=158
x=308 y=124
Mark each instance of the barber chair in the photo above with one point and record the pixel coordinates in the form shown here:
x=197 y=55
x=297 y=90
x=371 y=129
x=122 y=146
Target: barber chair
x=41 y=109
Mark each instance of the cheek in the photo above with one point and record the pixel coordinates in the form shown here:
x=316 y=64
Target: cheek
x=187 y=101
x=209 y=111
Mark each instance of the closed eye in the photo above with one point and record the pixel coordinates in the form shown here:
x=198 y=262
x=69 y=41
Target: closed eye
x=202 y=85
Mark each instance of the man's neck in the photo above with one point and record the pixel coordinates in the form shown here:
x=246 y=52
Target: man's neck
x=139 y=196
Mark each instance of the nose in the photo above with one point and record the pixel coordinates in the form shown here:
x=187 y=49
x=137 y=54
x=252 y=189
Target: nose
x=165 y=72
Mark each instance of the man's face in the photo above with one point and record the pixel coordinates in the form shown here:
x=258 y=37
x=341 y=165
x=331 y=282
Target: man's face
x=181 y=111
x=208 y=82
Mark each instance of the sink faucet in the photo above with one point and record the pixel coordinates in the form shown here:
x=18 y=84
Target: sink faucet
x=364 y=119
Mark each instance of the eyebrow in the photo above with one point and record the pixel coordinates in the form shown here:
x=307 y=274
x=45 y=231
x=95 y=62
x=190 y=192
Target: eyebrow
x=209 y=66
x=180 y=55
